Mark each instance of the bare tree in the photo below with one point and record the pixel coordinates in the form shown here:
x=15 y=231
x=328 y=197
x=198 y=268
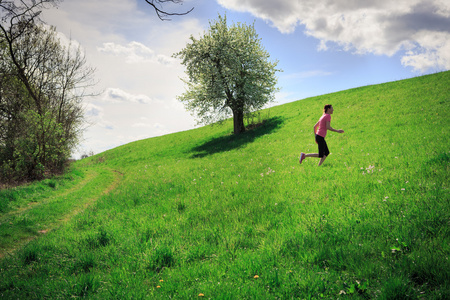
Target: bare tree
x=163 y=14
x=42 y=83
x=41 y=130
x=16 y=18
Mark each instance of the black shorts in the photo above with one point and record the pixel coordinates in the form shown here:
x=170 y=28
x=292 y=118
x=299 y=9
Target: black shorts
x=323 y=148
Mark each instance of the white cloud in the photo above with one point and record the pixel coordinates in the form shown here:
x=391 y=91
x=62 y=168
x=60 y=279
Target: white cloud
x=284 y=97
x=95 y=116
x=384 y=27
x=156 y=126
x=142 y=125
x=116 y=95
x=433 y=51
x=308 y=74
x=117 y=117
x=135 y=53
x=92 y=110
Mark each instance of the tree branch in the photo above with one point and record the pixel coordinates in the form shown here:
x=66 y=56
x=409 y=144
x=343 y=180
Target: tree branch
x=162 y=15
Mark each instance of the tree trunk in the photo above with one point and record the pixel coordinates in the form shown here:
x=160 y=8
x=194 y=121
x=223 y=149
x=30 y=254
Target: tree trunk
x=238 y=120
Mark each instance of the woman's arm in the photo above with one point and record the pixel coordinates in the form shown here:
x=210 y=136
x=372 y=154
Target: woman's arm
x=315 y=127
x=332 y=129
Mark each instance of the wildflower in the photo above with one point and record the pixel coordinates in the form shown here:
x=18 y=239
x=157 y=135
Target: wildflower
x=270 y=171
x=256 y=276
x=370 y=169
x=201 y=295
x=161 y=280
x=158 y=286
x=403 y=189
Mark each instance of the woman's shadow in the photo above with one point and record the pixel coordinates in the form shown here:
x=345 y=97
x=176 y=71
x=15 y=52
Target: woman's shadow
x=231 y=142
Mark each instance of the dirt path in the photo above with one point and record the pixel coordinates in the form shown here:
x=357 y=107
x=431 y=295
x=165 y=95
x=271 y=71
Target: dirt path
x=23 y=241
x=89 y=202
x=31 y=205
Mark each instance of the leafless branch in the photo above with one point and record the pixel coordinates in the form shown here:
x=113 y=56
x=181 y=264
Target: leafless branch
x=162 y=14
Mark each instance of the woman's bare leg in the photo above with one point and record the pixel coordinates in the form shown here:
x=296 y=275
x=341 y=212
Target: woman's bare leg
x=322 y=159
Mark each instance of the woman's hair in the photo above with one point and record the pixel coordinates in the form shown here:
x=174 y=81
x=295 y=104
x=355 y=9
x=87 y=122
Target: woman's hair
x=326 y=107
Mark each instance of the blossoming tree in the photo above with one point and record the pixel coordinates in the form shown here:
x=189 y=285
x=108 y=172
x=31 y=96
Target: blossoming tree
x=229 y=72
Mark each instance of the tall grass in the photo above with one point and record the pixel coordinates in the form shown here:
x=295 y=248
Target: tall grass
x=202 y=213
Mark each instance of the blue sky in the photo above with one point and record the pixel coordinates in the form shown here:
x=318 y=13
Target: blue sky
x=322 y=47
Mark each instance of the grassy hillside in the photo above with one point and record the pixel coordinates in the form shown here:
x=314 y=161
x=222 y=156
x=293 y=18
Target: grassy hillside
x=202 y=213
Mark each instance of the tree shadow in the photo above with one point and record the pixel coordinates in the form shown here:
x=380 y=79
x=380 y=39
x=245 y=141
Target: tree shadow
x=231 y=142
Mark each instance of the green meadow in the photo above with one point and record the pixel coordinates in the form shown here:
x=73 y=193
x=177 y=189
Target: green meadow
x=204 y=214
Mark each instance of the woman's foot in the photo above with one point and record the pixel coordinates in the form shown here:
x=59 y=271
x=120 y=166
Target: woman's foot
x=302 y=157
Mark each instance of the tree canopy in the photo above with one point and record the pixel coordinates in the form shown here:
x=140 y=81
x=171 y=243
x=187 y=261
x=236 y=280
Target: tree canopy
x=229 y=72
x=42 y=83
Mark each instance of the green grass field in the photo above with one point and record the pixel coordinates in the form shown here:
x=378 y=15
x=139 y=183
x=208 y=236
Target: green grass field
x=205 y=214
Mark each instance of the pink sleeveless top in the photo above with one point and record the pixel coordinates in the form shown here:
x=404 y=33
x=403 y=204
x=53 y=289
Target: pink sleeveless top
x=322 y=130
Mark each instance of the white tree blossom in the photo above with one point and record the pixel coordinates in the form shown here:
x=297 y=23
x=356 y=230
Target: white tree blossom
x=228 y=71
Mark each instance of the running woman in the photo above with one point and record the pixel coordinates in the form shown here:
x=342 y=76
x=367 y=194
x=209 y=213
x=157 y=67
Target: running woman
x=320 y=130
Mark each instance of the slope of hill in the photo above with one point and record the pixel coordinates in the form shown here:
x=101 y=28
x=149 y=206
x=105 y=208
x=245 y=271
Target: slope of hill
x=203 y=213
